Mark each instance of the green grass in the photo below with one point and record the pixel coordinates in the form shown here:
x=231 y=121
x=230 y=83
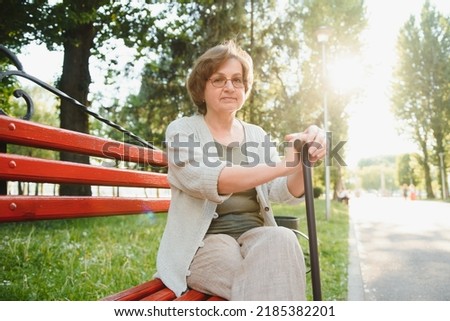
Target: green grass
x=88 y=259
x=78 y=259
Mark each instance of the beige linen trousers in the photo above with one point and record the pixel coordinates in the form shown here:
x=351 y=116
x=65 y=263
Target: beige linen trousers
x=263 y=264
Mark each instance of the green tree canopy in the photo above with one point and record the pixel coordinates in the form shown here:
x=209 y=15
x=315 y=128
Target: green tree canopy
x=80 y=28
x=287 y=93
x=421 y=100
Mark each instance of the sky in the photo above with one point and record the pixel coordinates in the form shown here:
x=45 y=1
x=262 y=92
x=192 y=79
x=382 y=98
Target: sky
x=372 y=127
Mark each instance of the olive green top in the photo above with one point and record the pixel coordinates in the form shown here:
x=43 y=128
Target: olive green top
x=240 y=212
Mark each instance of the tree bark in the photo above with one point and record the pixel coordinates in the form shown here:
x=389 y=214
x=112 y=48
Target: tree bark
x=75 y=81
x=427 y=172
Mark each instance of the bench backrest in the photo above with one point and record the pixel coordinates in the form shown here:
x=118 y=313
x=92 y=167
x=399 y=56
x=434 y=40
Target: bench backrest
x=33 y=169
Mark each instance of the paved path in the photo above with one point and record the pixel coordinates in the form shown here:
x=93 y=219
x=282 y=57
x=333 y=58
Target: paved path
x=399 y=250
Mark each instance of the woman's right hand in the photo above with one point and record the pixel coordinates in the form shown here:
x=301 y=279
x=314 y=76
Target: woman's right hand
x=314 y=136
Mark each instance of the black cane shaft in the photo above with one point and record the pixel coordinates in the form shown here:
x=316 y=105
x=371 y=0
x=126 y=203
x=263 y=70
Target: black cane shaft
x=311 y=222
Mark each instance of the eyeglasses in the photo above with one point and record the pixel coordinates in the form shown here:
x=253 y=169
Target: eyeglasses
x=220 y=82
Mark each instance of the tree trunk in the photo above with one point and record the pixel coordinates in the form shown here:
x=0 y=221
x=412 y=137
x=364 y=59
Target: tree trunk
x=426 y=170
x=75 y=81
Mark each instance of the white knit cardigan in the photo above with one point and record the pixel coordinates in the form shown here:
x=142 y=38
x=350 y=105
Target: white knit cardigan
x=194 y=196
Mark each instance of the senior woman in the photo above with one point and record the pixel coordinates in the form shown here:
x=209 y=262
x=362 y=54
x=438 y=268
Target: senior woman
x=221 y=237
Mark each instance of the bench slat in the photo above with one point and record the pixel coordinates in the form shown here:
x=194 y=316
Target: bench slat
x=138 y=292
x=28 y=133
x=26 y=208
x=162 y=295
x=30 y=169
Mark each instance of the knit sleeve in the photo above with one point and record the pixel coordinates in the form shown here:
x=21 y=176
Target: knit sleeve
x=193 y=168
x=278 y=191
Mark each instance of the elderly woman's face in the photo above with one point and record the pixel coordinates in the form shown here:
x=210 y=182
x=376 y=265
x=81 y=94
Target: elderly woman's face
x=225 y=90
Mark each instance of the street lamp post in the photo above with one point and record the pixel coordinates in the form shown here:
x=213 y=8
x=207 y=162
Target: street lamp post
x=441 y=158
x=323 y=34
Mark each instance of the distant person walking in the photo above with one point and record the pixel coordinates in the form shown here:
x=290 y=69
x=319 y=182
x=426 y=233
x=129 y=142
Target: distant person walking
x=405 y=191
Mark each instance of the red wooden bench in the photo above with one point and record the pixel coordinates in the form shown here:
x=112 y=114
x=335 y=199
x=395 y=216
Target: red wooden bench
x=155 y=290
x=32 y=169
x=14 y=208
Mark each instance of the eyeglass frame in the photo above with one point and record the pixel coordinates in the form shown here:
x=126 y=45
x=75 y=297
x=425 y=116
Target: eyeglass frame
x=226 y=80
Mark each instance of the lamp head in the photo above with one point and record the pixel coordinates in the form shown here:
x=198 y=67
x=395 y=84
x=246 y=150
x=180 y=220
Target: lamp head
x=323 y=34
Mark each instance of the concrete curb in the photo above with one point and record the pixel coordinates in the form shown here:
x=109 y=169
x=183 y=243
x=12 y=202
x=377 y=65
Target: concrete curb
x=355 y=280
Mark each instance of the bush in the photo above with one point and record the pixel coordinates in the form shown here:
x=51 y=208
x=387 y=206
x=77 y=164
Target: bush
x=317 y=191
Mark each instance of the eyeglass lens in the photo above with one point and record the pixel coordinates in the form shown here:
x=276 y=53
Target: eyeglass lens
x=220 y=82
